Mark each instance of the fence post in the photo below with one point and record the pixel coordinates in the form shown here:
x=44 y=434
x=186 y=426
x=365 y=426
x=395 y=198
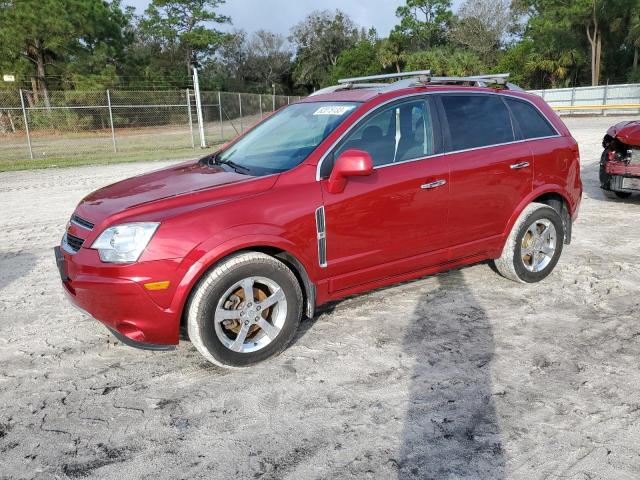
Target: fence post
x=260 y=101
x=196 y=88
x=605 y=96
x=113 y=130
x=274 y=103
x=573 y=98
x=26 y=125
x=288 y=100
x=221 y=121
x=240 y=110
x=193 y=140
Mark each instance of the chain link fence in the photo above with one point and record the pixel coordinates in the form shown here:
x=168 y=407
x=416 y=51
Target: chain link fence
x=132 y=125
x=82 y=127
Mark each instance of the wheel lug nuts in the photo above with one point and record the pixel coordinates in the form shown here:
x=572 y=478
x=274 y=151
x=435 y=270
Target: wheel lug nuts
x=257 y=318
x=242 y=314
x=249 y=304
x=258 y=307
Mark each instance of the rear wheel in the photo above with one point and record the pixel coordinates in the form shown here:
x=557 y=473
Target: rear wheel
x=245 y=310
x=534 y=245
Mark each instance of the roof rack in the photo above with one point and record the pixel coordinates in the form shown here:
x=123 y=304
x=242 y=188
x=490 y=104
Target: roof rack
x=417 y=78
x=385 y=76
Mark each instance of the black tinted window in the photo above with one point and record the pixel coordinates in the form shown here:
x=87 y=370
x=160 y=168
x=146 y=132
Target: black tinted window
x=531 y=122
x=395 y=134
x=477 y=121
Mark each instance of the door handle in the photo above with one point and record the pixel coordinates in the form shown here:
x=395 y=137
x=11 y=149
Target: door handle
x=436 y=184
x=518 y=166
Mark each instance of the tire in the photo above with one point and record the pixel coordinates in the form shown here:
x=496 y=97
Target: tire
x=615 y=195
x=221 y=294
x=622 y=194
x=604 y=177
x=514 y=263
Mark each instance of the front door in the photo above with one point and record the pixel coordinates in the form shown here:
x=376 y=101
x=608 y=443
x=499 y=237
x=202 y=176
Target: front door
x=395 y=220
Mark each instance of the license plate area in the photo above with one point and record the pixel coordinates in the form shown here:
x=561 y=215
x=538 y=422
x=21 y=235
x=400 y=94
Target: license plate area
x=631 y=183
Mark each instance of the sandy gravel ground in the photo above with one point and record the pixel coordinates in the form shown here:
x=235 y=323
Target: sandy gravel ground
x=460 y=375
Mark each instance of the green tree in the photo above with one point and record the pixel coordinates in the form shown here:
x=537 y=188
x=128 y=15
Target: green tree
x=588 y=19
x=513 y=60
x=424 y=22
x=358 y=61
x=392 y=51
x=446 y=61
x=184 y=26
x=49 y=34
x=319 y=41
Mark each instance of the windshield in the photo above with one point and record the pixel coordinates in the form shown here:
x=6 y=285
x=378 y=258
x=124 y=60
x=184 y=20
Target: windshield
x=286 y=139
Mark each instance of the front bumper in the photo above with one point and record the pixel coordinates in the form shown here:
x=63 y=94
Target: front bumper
x=624 y=177
x=115 y=296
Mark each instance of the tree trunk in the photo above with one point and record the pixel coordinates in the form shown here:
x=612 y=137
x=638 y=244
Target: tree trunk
x=398 y=69
x=189 y=65
x=635 y=59
x=595 y=41
x=34 y=98
x=598 y=57
x=41 y=74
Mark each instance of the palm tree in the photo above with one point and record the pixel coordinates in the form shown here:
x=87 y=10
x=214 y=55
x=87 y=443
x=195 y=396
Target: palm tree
x=554 y=66
x=391 y=52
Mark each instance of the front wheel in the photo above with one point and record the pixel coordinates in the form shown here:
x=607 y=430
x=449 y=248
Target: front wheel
x=604 y=177
x=534 y=245
x=245 y=310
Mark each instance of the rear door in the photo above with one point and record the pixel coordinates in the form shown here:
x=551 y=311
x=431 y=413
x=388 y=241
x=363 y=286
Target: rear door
x=491 y=170
x=553 y=154
x=387 y=224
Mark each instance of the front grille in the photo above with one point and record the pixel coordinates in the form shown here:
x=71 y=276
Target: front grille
x=81 y=222
x=72 y=242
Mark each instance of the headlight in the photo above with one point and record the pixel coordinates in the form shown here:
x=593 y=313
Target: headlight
x=124 y=243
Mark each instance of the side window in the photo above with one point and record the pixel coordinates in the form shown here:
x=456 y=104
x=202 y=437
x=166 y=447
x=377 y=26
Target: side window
x=395 y=134
x=477 y=121
x=531 y=122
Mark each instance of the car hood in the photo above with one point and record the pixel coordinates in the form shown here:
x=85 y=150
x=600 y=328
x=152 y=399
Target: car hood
x=626 y=132
x=179 y=180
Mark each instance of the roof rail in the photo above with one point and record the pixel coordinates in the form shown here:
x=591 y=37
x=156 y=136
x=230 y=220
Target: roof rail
x=385 y=76
x=347 y=86
x=417 y=78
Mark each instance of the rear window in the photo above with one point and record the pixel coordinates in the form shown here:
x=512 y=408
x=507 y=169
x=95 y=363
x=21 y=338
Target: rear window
x=477 y=121
x=531 y=122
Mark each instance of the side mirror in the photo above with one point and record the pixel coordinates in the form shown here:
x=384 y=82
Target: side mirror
x=350 y=163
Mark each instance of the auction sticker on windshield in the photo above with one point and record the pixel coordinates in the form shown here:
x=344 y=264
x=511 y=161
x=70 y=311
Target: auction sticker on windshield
x=334 y=110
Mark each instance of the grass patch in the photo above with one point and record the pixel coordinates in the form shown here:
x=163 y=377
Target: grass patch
x=102 y=158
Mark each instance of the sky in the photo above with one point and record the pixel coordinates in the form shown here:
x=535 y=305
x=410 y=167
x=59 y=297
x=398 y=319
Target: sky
x=280 y=15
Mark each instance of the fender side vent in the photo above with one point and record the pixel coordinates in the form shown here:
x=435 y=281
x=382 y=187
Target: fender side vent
x=322 y=237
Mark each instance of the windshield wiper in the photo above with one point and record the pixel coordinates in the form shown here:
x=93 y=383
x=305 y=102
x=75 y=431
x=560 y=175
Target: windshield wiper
x=217 y=161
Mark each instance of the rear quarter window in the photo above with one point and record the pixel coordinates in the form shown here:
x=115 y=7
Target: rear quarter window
x=477 y=121
x=531 y=122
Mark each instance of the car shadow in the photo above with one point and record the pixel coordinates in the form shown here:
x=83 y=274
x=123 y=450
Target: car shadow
x=451 y=427
x=14 y=265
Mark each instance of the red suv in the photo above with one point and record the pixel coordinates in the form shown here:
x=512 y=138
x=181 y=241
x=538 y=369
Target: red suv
x=360 y=186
